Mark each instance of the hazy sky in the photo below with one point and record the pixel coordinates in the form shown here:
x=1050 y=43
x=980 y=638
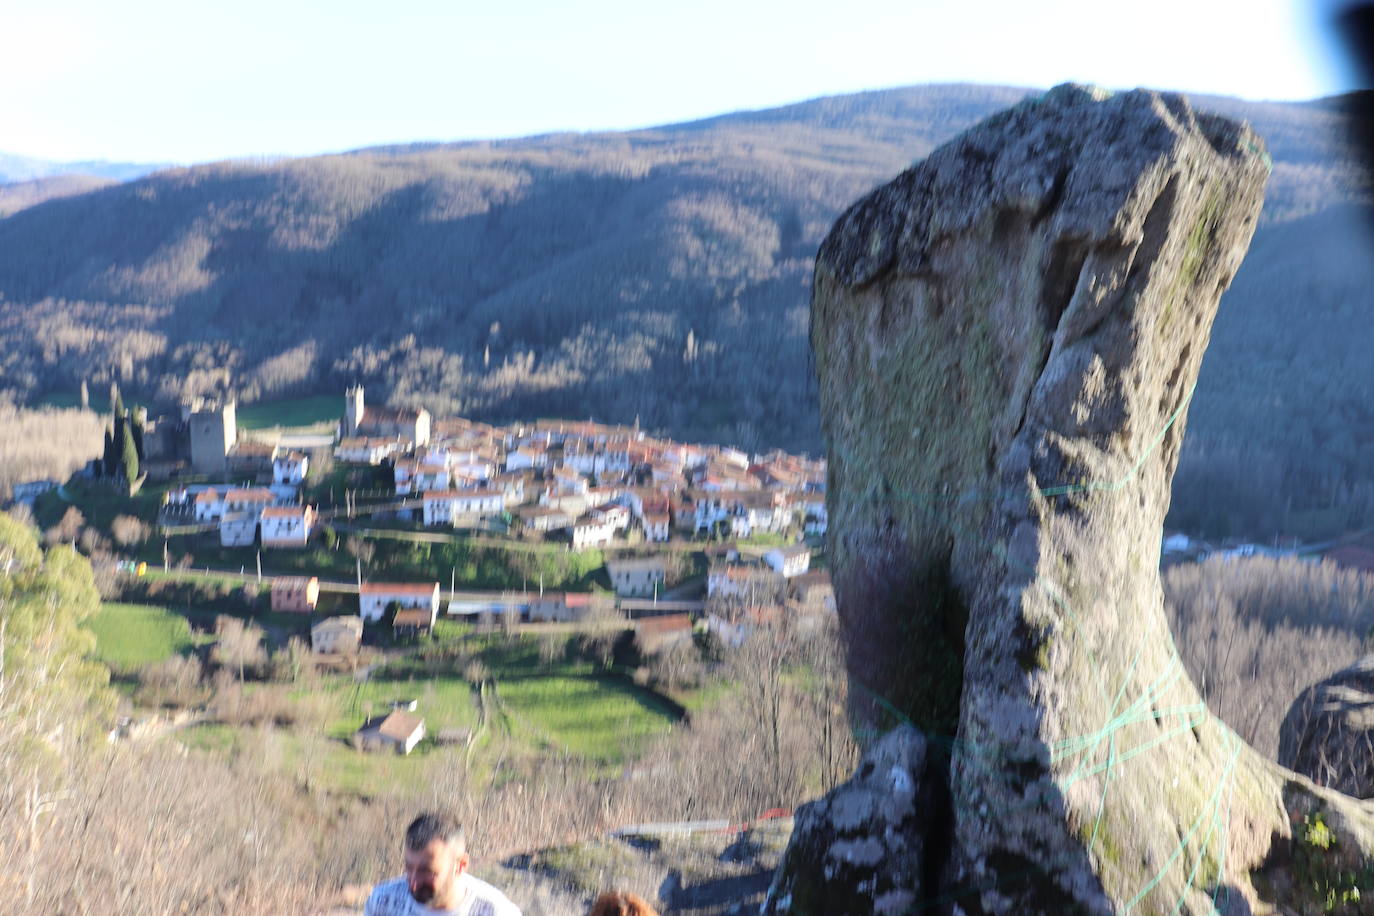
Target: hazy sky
x=171 y=80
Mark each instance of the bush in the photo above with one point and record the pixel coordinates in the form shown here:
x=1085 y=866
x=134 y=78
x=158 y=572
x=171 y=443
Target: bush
x=129 y=531
x=174 y=682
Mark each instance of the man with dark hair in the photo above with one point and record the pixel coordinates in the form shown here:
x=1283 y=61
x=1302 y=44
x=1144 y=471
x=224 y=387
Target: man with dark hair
x=436 y=880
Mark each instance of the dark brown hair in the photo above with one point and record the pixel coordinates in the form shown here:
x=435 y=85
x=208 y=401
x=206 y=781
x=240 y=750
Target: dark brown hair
x=432 y=826
x=619 y=903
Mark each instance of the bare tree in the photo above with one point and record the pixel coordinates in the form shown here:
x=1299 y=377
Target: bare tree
x=239 y=646
x=129 y=531
x=1254 y=632
x=68 y=529
x=361 y=548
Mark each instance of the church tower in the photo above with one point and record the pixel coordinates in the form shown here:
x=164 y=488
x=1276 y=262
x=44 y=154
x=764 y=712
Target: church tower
x=353 y=409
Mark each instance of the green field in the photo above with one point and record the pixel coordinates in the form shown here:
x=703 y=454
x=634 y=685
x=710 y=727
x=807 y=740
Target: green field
x=565 y=707
x=444 y=702
x=604 y=719
x=326 y=758
x=129 y=636
x=292 y=413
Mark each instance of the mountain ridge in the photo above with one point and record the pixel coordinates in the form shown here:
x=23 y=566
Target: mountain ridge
x=661 y=273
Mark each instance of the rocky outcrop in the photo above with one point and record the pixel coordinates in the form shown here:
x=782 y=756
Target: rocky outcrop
x=1328 y=734
x=1006 y=337
x=867 y=837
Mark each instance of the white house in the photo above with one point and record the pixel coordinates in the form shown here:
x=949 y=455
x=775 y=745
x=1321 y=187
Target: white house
x=617 y=516
x=541 y=518
x=592 y=530
x=252 y=499
x=816 y=520
x=373 y=597
x=209 y=505
x=428 y=478
x=290 y=468
x=402 y=474
x=238 y=529
x=521 y=458
x=758 y=511
x=790 y=561
x=287 y=526
x=366 y=449
x=656 y=526
x=637 y=577
x=473 y=464
x=445 y=507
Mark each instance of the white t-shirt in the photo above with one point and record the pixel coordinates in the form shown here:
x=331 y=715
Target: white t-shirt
x=478 y=898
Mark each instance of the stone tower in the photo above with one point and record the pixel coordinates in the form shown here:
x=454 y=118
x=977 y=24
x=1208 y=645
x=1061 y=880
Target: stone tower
x=214 y=430
x=353 y=409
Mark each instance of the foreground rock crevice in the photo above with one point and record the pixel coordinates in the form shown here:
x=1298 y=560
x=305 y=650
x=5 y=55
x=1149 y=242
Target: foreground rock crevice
x=1006 y=337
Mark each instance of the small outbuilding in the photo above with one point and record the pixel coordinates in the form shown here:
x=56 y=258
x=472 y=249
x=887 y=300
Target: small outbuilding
x=396 y=731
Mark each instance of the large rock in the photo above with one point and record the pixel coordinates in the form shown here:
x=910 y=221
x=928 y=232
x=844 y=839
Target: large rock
x=1006 y=337
x=1328 y=734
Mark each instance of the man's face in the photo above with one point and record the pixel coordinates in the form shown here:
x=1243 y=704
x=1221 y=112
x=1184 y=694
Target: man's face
x=433 y=871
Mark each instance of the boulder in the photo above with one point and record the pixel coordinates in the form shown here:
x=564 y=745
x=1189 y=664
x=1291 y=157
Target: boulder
x=1006 y=338
x=866 y=837
x=1328 y=734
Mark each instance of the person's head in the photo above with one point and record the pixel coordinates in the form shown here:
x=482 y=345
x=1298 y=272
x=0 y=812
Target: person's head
x=436 y=855
x=620 y=903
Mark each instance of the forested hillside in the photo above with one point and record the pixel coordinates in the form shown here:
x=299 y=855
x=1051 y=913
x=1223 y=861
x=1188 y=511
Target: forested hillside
x=662 y=274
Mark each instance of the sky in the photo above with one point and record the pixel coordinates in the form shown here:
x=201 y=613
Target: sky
x=172 y=81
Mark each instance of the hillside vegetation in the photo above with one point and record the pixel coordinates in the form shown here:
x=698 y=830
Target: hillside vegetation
x=661 y=274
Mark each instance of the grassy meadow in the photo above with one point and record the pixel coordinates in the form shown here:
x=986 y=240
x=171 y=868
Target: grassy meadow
x=528 y=707
x=129 y=636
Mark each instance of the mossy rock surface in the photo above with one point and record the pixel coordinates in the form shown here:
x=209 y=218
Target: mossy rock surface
x=1007 y=338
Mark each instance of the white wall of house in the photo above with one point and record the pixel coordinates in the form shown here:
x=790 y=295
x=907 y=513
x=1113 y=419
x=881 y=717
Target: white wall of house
x=209 y=510
x=790 y=562
x=372 y=604
x=237 y=529
x=480 y=502
x=336 y=635
x=591 y=534
x=290 y=470
x=438 y=510
x=288 y=531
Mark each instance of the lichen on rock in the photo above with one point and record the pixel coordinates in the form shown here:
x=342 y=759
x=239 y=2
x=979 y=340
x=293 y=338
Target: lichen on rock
x=1006 y=337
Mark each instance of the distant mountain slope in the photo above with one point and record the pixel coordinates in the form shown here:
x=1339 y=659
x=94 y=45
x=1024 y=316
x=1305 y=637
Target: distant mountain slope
x=26 y=168
x=661 y=273
x=15 y=197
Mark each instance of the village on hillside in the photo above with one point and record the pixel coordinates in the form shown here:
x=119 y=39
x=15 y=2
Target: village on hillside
x=357 y=530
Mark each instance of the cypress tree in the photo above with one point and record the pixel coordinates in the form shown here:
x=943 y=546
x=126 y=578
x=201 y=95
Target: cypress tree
x=130 y=455
x=137 y=419
x=108 y=461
